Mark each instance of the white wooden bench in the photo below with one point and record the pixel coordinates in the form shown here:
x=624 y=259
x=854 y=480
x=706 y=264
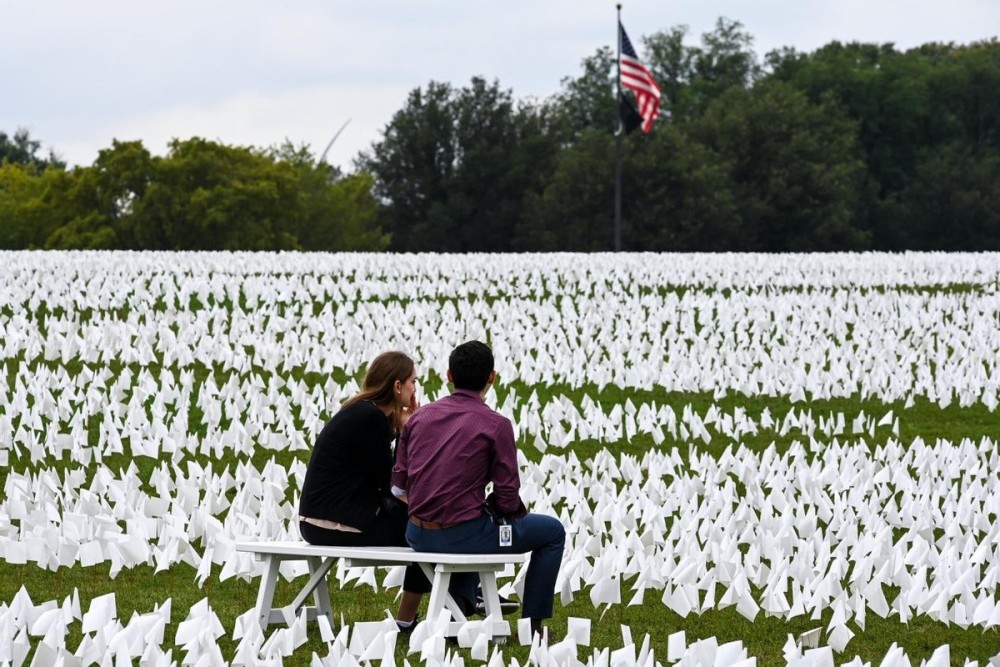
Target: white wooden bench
x=438 y=567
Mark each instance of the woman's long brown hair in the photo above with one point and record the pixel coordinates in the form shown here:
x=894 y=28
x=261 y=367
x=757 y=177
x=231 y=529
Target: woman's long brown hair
x=380 y=381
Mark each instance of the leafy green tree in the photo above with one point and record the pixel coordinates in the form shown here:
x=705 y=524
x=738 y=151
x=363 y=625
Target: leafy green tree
x=953 y=203
x=910 y=107
x=691 y=77
x=413 y=163
x=339 y=213
x=22 y=149
x=209 y=196
x=726 y=60
x=588 y=100
x=26 y=213
x=87 y=231
x=794 y=165
x=98 y=208
x=885 y=91
x=887 y=94
x=17 y=186
x=680 y=196
x=475 y=215
x=351 y=211
x=28 y=187
x=964 y=84
x=677 y=196
x=487 y=189
x=672 y=64
x=575 y=212
x=454 y=166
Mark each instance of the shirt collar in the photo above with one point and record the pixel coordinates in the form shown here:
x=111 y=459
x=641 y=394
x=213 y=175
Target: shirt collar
x=468 y=393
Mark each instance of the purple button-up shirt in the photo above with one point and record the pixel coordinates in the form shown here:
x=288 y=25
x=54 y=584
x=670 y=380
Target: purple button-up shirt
x=448 y=451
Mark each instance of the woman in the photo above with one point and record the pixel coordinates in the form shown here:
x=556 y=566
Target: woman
x=346 y=497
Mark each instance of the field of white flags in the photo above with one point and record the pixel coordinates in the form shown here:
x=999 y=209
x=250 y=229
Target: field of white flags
x=758 y=459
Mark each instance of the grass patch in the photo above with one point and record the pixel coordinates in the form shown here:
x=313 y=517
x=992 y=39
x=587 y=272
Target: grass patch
x=140 y=590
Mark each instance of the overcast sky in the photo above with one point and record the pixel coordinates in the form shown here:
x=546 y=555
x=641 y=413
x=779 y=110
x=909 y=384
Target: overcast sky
x=78 y=74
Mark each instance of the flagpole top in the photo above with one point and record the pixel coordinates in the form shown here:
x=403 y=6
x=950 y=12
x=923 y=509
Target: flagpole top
x=619 y=6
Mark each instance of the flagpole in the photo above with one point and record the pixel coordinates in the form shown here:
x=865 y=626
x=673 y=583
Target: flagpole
x=619 y=131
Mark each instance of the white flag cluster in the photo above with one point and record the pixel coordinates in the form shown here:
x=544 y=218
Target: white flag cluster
x=177 y=356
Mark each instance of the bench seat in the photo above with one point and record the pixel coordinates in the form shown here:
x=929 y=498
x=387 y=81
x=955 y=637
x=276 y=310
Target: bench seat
x=438 y=567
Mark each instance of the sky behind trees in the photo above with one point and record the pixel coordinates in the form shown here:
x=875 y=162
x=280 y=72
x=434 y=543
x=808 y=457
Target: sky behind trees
x=256 y=73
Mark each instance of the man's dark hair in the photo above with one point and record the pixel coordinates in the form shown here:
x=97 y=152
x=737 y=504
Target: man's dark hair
x=471 y=364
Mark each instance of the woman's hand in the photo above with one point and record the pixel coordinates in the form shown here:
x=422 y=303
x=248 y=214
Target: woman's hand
x=408 y=410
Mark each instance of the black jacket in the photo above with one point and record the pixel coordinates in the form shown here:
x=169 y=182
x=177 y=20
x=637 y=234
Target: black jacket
x=349 y=471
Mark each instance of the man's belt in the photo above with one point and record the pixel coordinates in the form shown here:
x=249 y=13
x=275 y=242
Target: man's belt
x=430 y=525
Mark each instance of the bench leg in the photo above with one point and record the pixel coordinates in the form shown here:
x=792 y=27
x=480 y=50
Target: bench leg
x=439 y=591
x=321 y=596
x=439 y=575
x=265 y=594
x=440 y=596
x=500 y=629
x=491 y=594
x=316 y=586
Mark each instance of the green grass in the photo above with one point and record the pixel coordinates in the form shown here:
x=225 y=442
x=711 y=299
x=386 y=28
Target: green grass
x=139 y=590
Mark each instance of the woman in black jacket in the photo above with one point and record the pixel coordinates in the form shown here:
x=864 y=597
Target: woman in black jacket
x=347 y=498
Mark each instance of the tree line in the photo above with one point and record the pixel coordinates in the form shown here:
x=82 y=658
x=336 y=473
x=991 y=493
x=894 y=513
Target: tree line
x=202 y=195
x=849 y=147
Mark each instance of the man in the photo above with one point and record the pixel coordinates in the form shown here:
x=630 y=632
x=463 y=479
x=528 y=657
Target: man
x=447 y=453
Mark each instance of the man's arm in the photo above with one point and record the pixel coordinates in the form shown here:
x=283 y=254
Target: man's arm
x=505 y=475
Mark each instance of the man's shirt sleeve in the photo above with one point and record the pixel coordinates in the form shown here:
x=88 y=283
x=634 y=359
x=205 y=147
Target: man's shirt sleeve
x=505 y=476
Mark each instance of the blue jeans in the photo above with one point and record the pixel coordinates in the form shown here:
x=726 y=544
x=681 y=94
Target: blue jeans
x=544 y=536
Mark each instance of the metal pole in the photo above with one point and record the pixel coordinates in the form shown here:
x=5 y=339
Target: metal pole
x=330 y=145
x=618 y=138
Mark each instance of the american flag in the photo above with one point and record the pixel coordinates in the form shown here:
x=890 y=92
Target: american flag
x=637 y=78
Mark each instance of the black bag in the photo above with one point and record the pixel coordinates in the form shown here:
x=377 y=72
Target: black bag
x=392 y=506
x=492 y=511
